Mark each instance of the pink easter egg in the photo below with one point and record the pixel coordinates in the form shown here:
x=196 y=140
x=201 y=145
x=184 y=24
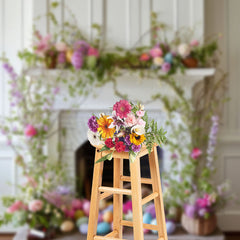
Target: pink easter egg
x=86 y=207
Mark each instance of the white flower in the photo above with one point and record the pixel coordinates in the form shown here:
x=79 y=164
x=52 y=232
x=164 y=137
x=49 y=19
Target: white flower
x=158 y=61
x=94 y=138
x=138 y=129
x=184 y=50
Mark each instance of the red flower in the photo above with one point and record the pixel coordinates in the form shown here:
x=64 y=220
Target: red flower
x=109 y=143
x=144 y=57
x=120 y=147
x=196 y=152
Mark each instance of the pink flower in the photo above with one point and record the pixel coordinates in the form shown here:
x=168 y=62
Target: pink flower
x=35 y=205
x=196 y=152
x=122 y=108
x=194 y=43
x=76 y=204
x=61 y=46
x=156 y=52
x=93 y=52
x=144 y=57
x=127 y=206
x=43 y=45
x=140 y=113
x=131 y=120
x=31 y=181
x=30 y=131
x=141 y=122
x=16 y=206
x=69 y=213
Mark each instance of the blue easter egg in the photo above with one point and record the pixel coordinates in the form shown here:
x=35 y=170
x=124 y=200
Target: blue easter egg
x=82 y=220
x=168 y=58
x=103 y=228
x=154 y=222
x=147 y=218
x=171 y=227
x=83 y=228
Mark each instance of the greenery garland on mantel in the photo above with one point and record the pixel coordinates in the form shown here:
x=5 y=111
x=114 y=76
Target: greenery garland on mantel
x=87 y=64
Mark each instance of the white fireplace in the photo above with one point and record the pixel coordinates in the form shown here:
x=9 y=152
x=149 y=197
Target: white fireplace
x=73 y=120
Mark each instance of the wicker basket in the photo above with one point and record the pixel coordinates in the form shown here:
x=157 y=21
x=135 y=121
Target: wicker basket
x=199 y=226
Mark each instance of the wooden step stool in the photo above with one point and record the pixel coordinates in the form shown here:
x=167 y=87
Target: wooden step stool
x=99 y=192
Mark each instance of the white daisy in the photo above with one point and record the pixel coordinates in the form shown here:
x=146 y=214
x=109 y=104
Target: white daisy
x=138 y=129
x=94 y=138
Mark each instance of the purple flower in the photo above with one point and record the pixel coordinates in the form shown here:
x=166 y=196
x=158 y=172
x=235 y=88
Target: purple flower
x=190 y=210
x=61 y=58
x=63 y=190
x=202 y=212
x=166 y=67
x=77 y=60
x=56 y=90
x=126 y=149
x=92 y=124
x=81 y=46
x=127 y=140
x=136 y=148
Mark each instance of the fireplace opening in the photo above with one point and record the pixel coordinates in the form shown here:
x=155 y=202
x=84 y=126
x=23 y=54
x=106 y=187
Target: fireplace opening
x=84 y=162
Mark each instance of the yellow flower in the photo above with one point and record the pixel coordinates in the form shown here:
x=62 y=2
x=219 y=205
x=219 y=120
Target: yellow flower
x=137 y=139
x=103 y=127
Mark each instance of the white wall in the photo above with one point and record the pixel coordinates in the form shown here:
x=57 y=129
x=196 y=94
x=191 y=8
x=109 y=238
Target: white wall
x=223 y=16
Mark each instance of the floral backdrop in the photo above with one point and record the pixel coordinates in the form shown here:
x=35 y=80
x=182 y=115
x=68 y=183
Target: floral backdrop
x=46 y=199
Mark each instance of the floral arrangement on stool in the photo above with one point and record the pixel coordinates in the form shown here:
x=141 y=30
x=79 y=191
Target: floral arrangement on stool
x=125 y=130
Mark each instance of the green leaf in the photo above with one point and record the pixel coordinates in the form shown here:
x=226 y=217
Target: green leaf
x=106 y=157
x=104 y=148
x=132 y=156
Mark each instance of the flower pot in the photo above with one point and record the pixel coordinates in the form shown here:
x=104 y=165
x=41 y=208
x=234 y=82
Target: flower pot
x=190 y=62
x=199 y=226
x=50 y=62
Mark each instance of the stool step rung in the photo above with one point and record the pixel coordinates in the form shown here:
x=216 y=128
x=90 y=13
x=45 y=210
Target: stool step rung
x=146 y=226
x=149 y=198
x=111 y=234
x=105 y=195
x=115 y=190
x=106 y=238
x=143 y=180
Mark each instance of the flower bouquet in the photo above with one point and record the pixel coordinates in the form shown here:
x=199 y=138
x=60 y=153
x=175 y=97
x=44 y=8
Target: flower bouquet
x=127 y=129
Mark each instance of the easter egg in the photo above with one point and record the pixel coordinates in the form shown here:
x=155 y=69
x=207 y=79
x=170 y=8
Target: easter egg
x=81 y=221
x=78 y=214
x=86 y=207
x=76 y=204
x=102 y=204
x=108 y=209
x=154 y=222
x=100 y=217
x=171 y=227
x=146 y=230
x=151 y=209
x=147 y=218
x=168 y=58
x=103 y=228
x=67 y=226
x=108 y=217
x=83 y=228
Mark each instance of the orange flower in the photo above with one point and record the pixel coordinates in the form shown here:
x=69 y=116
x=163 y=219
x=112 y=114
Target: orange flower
x=104 y=123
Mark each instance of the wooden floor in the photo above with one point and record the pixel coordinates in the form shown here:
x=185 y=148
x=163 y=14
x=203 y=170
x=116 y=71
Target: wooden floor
x=229 y=236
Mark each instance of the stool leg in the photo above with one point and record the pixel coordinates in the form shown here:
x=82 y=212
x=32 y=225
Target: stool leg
x=136 y=199
x=159 y=207
x=117 y=198
x=95 y=197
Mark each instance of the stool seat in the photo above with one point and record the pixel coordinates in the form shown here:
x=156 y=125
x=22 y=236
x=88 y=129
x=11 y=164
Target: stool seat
x=100 y=192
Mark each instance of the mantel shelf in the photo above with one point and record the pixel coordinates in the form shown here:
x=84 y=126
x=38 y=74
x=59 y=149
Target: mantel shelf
x=193 y=72
x=128 y=83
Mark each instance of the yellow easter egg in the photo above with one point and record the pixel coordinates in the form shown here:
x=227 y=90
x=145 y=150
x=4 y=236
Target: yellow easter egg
x=78 y=214
x=108 y=217
x=102 y=204
x=67 y=226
